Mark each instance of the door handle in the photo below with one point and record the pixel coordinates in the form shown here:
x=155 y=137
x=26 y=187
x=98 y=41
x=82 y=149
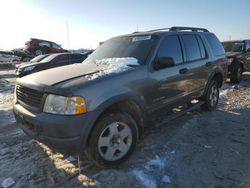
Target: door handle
x=183 y=71
x=208 y=64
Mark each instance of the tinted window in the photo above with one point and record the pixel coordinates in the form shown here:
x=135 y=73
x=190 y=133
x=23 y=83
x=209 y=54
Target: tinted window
x=76 y=58
x=233 y=46
x=56 y=46
x=44 y=44
x=215 y=45
x=247 y=45
x=61 y=59
x=202 y=48
x=170 y=47
x=191 y=47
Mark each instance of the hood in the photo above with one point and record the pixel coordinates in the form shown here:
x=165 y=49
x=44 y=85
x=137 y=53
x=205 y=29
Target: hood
x=56 y=75
x=90 y=71
x=232 y=54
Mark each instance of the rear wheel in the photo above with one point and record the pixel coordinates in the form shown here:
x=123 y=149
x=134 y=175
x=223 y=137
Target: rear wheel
x=113 y=140
x=236 y=76
x=38 y=52
x=211 y=97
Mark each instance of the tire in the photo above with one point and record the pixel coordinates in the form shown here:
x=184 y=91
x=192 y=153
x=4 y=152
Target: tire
x=38 y=52
x=113 y=140
x=211 y=97
x=236 y=76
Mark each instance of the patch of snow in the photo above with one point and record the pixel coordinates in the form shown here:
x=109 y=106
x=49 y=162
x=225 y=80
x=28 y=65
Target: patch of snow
x=113 y=65
x=146 y=181
x=156 y=162
x=172 y=152
x=207 y=146
x=7 y=182
x=166 y=179
x=71 y=158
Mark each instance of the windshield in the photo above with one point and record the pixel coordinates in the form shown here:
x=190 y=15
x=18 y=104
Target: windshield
x=38 y=58
x=233 y=46
x=137 y=47
x=49 y=58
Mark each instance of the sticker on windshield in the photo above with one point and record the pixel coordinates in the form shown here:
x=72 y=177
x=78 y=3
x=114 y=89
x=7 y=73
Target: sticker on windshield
x=140 y=38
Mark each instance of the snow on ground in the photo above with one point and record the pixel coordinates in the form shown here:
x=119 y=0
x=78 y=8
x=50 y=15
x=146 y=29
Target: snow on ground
x=113 y=65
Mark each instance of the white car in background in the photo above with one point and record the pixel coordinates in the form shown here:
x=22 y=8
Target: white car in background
x=8 y=58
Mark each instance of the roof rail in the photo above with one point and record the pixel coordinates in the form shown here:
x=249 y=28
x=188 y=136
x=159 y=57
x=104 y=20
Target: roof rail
x=161 y=29
x=175 y=28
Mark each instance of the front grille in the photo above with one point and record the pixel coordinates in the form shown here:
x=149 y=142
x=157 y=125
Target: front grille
x=28 y=96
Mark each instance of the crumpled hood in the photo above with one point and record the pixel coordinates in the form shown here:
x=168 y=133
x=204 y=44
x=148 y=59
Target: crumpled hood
x=232 y=54
x=56 y=75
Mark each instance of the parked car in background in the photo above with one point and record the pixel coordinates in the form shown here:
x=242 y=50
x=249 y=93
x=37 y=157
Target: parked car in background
x=8 y=58
x=238 y=53
x=100 y=107
x=39 y=47
x=51 y=61
x=33 y=60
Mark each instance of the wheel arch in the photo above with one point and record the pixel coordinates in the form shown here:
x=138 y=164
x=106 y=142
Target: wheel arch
x=217 y=76
x=127 y=104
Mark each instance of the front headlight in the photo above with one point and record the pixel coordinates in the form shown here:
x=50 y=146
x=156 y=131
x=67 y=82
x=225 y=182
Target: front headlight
x=56 y=104
x=29 y=68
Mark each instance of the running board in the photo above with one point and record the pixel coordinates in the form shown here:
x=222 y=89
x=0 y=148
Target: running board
x=175 y=115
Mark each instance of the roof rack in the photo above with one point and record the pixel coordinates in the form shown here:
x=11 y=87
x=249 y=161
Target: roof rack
x=188 y=28
x=176 y=28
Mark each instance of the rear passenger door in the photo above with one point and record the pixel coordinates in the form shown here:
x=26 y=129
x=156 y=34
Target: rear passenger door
x=196 y=63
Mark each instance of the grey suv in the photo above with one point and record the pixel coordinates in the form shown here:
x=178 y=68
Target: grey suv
x=100 y=107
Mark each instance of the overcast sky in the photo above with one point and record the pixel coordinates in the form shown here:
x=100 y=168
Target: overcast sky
x=92 y=21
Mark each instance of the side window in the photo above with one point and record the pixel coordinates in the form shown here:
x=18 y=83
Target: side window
x=76 y=58
x=44 y=44
x=64 y=58
x=191 y=47
x=170 y=47
x=202 y=48
x=215 y=45
x=56 y=46
x=248 y=45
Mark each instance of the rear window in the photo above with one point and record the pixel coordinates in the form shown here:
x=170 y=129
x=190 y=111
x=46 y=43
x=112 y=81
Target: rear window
x=215 y=45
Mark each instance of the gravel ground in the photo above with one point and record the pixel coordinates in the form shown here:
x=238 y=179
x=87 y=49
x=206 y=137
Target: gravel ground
x=199 y=149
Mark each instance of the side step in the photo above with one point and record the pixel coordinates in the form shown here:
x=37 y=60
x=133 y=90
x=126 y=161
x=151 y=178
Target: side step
x=175 y=115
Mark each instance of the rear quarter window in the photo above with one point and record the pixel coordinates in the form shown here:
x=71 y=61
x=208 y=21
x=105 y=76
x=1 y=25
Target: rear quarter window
x=215 y=45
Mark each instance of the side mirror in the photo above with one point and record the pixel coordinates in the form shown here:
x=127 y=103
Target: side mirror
x=164 y=62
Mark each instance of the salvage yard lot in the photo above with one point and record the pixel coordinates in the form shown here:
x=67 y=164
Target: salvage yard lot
x=199 y=149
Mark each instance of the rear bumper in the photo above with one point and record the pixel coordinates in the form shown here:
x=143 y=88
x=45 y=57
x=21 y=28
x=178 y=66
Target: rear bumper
x=63 y=133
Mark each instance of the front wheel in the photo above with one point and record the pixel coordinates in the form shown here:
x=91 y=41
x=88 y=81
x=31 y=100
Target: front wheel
x=211 y=97
x=112 y=140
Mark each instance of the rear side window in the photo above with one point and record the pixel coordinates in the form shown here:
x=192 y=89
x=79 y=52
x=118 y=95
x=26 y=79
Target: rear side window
x=170 y=47
x=191 y=47
x=215 y=45
x=202 y=48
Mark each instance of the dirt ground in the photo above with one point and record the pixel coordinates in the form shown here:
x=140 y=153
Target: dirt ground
x=199 y=149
